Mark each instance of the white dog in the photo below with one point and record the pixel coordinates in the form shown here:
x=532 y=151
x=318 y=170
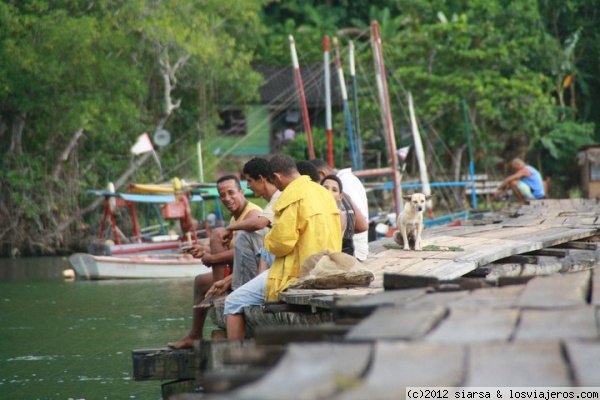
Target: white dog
x=410 y=221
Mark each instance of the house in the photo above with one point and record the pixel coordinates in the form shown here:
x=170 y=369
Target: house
x=253 y=130
x=588 y=158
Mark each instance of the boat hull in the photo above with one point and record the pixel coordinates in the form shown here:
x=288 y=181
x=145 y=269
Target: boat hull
x=92 y=267
x=134 y=249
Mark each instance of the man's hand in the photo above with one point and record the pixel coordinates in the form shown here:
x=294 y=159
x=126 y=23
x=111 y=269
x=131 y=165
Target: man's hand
x=207 y=259
x=196 y=250
x=219 y=287
x=226 y=236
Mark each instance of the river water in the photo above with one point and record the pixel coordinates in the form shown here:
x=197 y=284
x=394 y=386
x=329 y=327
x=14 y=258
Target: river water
x=73 y=339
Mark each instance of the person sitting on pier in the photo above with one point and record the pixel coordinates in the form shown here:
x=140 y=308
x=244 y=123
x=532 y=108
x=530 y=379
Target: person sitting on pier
x=354 y=188
x=351 y=218
x=219 y=256
x=526 y=183
x=307 y=221
x=257 y=173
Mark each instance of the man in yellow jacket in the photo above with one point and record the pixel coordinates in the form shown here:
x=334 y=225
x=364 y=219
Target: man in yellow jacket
x=307 y=221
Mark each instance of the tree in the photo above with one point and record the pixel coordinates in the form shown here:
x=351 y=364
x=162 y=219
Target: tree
x=89 y=78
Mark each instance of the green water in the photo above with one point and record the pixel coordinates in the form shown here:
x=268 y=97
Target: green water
x=73 y=340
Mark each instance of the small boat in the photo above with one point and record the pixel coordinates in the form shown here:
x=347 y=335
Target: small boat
x=162 y=202
x=92 y=267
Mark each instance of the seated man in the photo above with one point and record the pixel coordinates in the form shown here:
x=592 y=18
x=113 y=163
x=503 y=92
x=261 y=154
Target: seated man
x=257 y=172
x=307 y=221
x=220 y=255
x=526 y=183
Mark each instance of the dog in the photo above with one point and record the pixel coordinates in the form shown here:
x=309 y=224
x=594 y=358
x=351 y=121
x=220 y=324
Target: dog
x=410 y=221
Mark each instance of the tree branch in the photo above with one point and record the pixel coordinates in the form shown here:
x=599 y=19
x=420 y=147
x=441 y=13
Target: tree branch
x=66 y=153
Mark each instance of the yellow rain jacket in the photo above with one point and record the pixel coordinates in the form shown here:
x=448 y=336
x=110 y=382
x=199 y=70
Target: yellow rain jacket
x=307 y=221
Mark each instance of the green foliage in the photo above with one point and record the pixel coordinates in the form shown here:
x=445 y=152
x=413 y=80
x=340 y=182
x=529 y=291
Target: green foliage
x=526 y=70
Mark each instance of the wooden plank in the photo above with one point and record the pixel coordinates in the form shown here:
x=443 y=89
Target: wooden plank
x=519 y=364
x=392 y=323
x=310 y=371
x=570 y=323
x=281 y=335
x=307 y=296
x=552 y=252
x=595 y=297
x=397 y=365
x=352 y=309
x=565 y=290
x=519 y=259
x=492 y=298
x=580 y=221
x=441 y=269
x=472 y=326
x=162 y=364
x=401 y=281
x=584 y=357
x=257 y=355
x=435 y=299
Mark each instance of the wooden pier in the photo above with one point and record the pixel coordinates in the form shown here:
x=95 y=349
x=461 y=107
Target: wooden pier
x=513 y=301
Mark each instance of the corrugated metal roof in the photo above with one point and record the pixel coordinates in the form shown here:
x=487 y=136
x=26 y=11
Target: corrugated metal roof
x=280 y=87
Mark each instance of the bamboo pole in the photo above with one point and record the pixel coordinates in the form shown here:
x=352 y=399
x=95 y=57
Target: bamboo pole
x=328 y=124
x=340 y=71
x=306 y=119
x=387 y=116
x=355 y=101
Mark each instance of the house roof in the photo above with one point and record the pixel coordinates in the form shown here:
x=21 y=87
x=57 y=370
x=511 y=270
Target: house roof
x=281 y=90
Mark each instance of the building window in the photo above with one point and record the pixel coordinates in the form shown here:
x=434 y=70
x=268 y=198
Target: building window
x=594 y=172
x=233 y=123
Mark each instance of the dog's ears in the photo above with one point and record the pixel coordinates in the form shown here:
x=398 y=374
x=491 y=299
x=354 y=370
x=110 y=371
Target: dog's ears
x=407 y=197
x=428 y=196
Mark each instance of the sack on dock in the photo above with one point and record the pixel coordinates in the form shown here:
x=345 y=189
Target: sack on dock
x=331 y=270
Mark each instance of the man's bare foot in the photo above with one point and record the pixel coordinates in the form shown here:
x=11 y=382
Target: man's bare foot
x=186 y=342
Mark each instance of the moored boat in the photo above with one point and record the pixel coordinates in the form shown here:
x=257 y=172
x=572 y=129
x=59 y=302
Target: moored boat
x=92 y=267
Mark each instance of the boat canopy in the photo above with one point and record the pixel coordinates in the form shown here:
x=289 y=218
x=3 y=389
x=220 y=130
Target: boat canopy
x=143 y=198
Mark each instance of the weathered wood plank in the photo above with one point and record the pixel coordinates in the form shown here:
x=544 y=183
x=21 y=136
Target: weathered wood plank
x=163 y=364
x=351 y=310
x=397 y=323
x=441 y=269
x=472 y=326
x=580 y=221
x=565 y=290
x=571 y=323
x=281 y=335
x=298 y=376
x=595 y=297
x=491 y=298
x=436 y=299
x=401 y=281
x=397 y=365
x=552 y=252
x=579 y=245
x=306 y=296
x=584 y=357
x=519 y=259
x=517 y=364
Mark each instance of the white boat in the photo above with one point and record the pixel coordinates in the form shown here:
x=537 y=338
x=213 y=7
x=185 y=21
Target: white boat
x=92 y=267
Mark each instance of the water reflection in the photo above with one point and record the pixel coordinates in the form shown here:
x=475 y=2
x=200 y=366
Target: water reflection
x=73 y=340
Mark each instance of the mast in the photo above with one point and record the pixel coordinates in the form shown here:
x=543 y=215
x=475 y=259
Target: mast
x=355 y=101
x=340 y=71
x=311 y=150
x=386 y=115
x=328 y=124
x=419 y=150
